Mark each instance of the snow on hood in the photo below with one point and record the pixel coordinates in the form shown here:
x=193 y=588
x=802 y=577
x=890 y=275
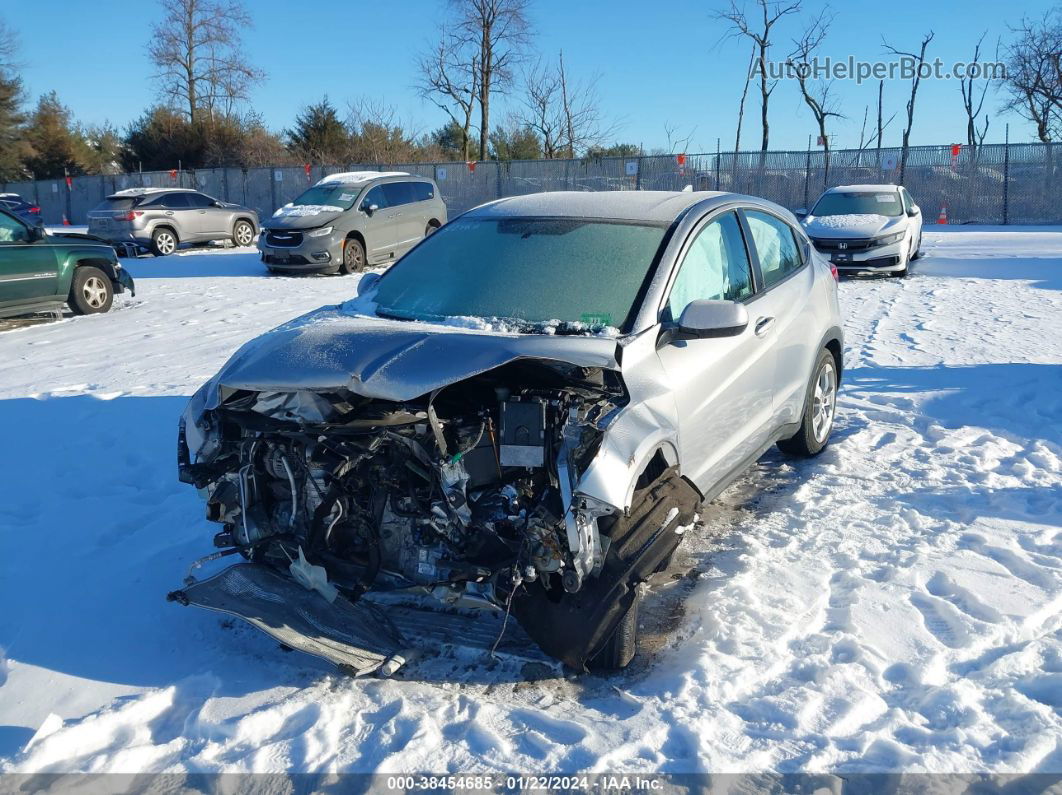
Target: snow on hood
x=301 y=210
x=331 y=348
x=849 y=225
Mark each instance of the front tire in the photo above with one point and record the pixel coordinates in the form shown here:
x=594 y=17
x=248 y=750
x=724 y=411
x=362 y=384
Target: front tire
x=163 y=242
x=353 y=256
x=820 y=408
x=242 y=234
x=91 y=291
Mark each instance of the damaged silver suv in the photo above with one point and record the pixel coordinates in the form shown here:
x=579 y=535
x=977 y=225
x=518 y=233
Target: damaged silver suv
x=521 y=417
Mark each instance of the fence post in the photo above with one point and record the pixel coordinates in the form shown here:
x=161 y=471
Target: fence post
x=807 y=172
x=273 y=189
x=497 y=178
x=1006 y=178
x=638 y=175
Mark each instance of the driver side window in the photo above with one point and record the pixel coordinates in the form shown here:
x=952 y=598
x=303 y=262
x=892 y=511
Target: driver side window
x=375 y=196
x=716 y=267
x=12 y=231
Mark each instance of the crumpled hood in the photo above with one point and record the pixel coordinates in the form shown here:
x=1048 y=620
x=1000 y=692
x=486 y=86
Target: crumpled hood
x=389 y=359
x=851 y=226
x=301 y=216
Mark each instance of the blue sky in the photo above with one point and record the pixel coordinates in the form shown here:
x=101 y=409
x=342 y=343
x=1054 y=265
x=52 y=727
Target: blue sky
x=659 y=63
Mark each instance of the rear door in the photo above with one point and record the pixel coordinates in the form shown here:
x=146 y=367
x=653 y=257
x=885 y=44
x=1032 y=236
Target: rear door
x=176 y=210
x=29 y=271
x=781 y=313
x=722 y=385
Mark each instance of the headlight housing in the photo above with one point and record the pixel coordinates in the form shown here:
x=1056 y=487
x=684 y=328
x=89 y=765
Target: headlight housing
x=322 y=232
x=886 y=240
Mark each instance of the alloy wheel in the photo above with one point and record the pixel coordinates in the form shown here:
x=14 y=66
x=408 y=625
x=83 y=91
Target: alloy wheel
x=824 y=402
x=244 y=234
x=165 y=243
x=95 y=292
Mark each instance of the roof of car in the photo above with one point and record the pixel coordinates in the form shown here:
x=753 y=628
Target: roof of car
x=884 y=187
x=147 y=191
x=360 y=177
x=658 y=206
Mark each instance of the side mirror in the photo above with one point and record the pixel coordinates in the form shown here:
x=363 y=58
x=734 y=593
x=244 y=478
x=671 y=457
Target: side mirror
x=367 y=283
x=36 y=233
x=369 y=209
x=913 y=211
x=705 y=318
x=801 y=212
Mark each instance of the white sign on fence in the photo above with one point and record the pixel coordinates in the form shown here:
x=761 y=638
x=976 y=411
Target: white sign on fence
x=631 y=167
x=888 y=162
x=278 y=175
x=440 y=174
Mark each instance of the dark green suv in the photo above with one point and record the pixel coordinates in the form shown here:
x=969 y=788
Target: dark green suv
x=40 y=271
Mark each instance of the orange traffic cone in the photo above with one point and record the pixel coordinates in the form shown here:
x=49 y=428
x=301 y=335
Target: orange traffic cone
x=943 y=217
x=66 y=221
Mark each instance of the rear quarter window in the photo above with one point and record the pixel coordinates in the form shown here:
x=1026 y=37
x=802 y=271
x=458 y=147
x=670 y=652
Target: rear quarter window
x=422 y=191
x=777 y=246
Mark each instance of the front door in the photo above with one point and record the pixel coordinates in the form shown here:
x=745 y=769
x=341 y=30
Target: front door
x=28 y=268
x=383 y=227
x=722 y=385
x=212 y=219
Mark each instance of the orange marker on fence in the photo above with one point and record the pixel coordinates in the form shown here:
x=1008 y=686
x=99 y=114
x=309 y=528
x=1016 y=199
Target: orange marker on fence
x=943 y=217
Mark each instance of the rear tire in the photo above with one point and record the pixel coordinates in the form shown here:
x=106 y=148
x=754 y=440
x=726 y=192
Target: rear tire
x=820 y=406
x=91 y=291
x=242 y=234
x=353 y=256
x=163 y=242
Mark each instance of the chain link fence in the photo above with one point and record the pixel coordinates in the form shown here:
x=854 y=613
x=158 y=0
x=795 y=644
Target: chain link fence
x=990 y=184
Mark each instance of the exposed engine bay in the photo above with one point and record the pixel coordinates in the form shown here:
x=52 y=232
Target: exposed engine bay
x=467 y=494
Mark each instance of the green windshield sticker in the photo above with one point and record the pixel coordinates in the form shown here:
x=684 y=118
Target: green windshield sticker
x=596 y=318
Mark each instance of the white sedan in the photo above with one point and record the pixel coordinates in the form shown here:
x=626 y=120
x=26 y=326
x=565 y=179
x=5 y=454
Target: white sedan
x=866 y=228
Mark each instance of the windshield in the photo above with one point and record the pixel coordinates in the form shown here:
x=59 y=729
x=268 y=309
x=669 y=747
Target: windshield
x=574 y=271
x=341 y=196
x=859 y=204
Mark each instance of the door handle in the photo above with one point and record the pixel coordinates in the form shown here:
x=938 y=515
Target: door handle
x=169 y=212
x=202 y=212
x=763 y=325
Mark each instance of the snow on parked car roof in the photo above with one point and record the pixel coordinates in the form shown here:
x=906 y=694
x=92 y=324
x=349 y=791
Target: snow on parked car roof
x=657 y=206
x=883 y=188
x=147 y=191
x=357 y=177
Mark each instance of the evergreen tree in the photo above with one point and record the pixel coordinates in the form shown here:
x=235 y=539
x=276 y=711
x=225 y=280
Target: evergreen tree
x=319 y=136
x=56 y=145
x=12 y=147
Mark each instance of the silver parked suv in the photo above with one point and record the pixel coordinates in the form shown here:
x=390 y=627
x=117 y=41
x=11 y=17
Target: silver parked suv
x=161 y=219
x=521 y=416
x=349 y=220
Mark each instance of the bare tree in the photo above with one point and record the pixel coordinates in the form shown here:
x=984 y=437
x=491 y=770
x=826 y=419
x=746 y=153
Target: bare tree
x=1034 y=74
x=450 y=80
x=759 y=31
x=196 y=49
x=918 y=60
x=816 y=94
x=500 y=30
x=971 y=102
x=378 y=135
x=741 y=104
x=675 y=141
x=564 y=113
x=9 y=48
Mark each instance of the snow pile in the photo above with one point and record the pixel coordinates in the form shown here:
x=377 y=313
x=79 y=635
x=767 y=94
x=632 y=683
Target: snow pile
x=891 y=605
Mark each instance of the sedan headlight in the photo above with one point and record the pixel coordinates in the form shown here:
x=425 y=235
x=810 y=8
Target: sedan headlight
x=886 y=240
x=322 y=232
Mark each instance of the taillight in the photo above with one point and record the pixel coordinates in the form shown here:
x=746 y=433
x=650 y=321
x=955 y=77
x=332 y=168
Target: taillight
x=35 y=210
x=129 y=216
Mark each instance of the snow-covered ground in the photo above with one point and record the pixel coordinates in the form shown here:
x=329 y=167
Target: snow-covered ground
x=891 y=605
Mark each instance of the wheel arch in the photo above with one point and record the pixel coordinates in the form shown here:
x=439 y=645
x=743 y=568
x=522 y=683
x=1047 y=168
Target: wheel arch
x=249 y=219
x=833 y=341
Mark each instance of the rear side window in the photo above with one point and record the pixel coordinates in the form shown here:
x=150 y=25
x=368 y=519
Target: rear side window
x=176 y=201
x=776 y=245
x=716 y=267
x=422 y=191
x=398 y=193
x=118 y=204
